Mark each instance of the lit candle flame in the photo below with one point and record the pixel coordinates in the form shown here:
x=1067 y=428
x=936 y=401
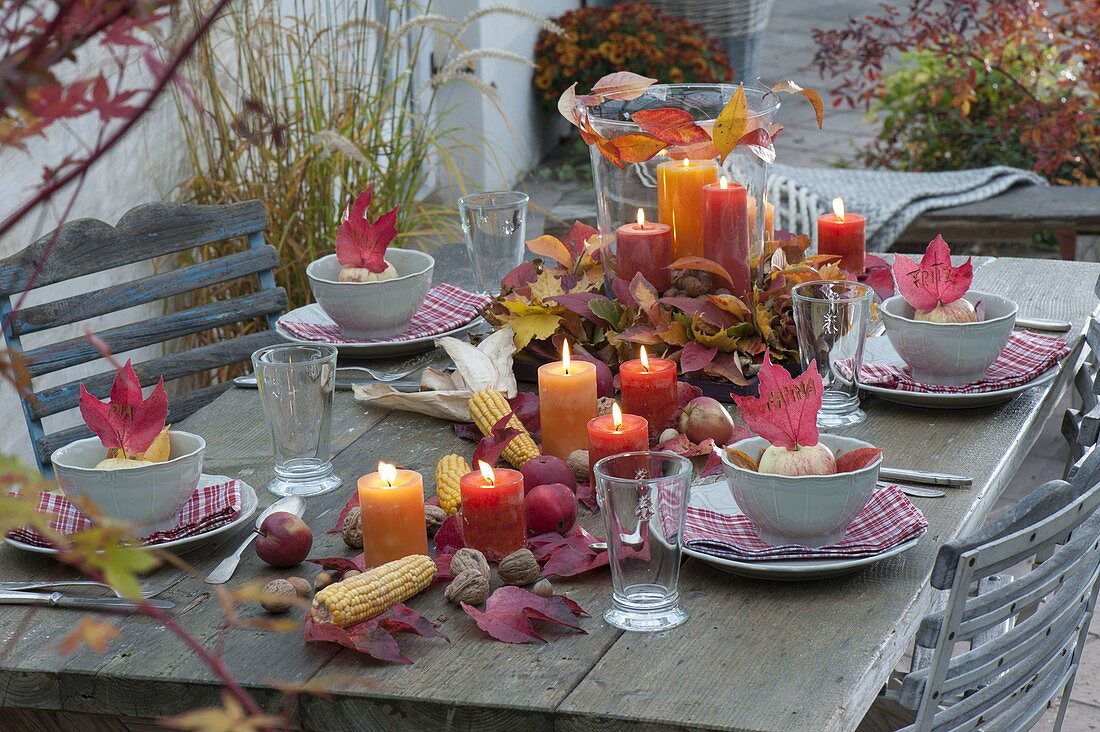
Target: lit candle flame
x=388 y=473
x=644 y=358
x=641 y=219
x=616 y=416
x=687 y=162
x=838 y=207
x=723 y=182
x=487 y=472
x=565 y=356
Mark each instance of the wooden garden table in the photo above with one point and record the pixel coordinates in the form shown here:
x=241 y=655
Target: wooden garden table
x=755 y=655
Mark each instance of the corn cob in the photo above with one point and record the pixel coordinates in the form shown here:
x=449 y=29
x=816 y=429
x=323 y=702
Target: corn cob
x=448 y=471
x=373 y=592
x=488 y=407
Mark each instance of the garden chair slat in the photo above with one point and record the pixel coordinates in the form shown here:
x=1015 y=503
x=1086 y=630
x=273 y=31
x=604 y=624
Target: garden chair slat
x=151 y=230
x=213 y=355
x=74 y=351
x=142 y=291
x=179 y=408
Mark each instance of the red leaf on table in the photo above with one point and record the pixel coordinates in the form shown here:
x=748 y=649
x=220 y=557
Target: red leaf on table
x=375 y=637
x=586 y=494
x=878 y=276
x=785 y=413
x=576 y=237
x=543 y=546
x=681 y=445
x=857 y=459
x=490 y=447
x=671 y=126
x=127 y=422
x=339 y=564
x=353 y=501
x=685 y=392
x=525 y=405
x=713 y=466
x=361 y=242
x=577 y=302
x=443 y=566
x=570 y=560
x=522 y=275
x=695 y=356
x=509 y=613
x=467 y=431
x=935 y=280
x=449 y=536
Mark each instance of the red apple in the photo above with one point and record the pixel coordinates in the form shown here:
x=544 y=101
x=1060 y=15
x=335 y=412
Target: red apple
x=550 y=508
x=704 y=417
x=605 y=384
x=284 y=540
x=547 y=469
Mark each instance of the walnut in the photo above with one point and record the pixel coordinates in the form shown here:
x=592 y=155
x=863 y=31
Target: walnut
x=603 y=405
x=519 y=568
x=434 y=516
x=469 y=560
x=301 y=586
x=278 y=596
x=693 y=282
x=352 y=529
x=543 y=588
x=470 y=587
x=578 y=463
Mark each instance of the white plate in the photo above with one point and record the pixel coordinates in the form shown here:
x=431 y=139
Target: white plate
x=249 y=502
x=377 y=349
x=716 y=497
x=879 y=350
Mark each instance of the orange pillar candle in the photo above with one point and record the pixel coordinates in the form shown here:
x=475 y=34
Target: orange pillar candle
x=615 y=433
x=567 y=400
x=769 y=219
x=494 y=519
x=844 y=235
x=391 y=504
x=649 y=390
x=680 y=202
x=644 y=248
x=726 y=231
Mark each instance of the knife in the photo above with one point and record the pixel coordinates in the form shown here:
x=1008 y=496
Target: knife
x=922 y=477
x=249 y=382
x=60 y=599
x=1055 y=326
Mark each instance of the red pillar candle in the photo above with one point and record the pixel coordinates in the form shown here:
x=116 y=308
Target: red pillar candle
x=649 y=390
x=493 y=517
x=844 y=235
x=615 y=433
x=644 y=248
x=726 y=231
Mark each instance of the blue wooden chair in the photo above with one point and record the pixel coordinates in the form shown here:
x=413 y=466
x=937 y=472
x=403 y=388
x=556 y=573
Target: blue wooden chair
x=144 y=233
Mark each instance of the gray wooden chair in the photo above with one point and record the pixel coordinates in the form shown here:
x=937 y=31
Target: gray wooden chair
x=144 y=233
x=1081 y=426
x=1034 y=628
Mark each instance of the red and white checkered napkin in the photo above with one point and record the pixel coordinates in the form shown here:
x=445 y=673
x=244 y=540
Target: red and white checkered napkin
x=209 y=507
x=445 y=308
x=888 y=519
x=1026 y=356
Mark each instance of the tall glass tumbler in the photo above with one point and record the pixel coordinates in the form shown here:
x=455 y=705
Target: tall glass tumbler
x=643 y=497
x=494 y=224
x=831 y=318
x=296 y=384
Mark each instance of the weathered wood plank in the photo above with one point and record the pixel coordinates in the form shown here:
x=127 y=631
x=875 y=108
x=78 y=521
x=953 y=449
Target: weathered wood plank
x=172 y=366
x=143 y=290
x=152 y=230
x=73 y=351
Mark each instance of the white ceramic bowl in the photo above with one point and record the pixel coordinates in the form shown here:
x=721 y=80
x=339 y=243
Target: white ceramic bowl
x=949 y=353
x=373 y=310
x=808 y=510
x=149 y=496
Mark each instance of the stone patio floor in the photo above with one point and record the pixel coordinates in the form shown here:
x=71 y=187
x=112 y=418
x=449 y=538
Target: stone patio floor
x=788 y=53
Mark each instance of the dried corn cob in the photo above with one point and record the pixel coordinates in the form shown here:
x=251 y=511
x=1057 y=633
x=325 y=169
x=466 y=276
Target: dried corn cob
x=448 y=471
x=488 y=407
x=373 y=592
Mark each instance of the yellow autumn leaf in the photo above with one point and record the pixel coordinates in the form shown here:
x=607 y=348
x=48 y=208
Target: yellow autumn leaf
x=533 y=327
x=230 y=717
x=93 y=633
x=551 y=247
x=731 y=123
x=764 y=322
x=521 y=308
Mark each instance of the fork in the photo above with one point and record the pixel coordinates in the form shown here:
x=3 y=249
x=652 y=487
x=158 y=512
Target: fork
x=382 y=376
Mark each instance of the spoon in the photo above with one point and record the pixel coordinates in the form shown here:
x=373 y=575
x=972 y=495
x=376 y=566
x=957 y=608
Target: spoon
x=221 y=574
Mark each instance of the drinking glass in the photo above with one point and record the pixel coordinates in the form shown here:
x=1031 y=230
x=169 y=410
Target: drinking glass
x=494 y=224
x=643 y=497
x=296 y=384
x=831 y=320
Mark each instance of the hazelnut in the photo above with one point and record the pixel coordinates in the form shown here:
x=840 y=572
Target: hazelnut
x=470 y=587
x=603 y=405
x=519 y=568
x=469 y=560
x=578 y=463
x=278 y=596
x=543 y=588
x=666 y=435
x=434 y=516
x=352 y=529
x=323 y=580
x=301 y=586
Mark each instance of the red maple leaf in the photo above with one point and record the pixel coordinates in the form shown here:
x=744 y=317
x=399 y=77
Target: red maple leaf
x=509 y=613
x=361 y=243
x=110 y=106
x=127 y=421
x=785 y=413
